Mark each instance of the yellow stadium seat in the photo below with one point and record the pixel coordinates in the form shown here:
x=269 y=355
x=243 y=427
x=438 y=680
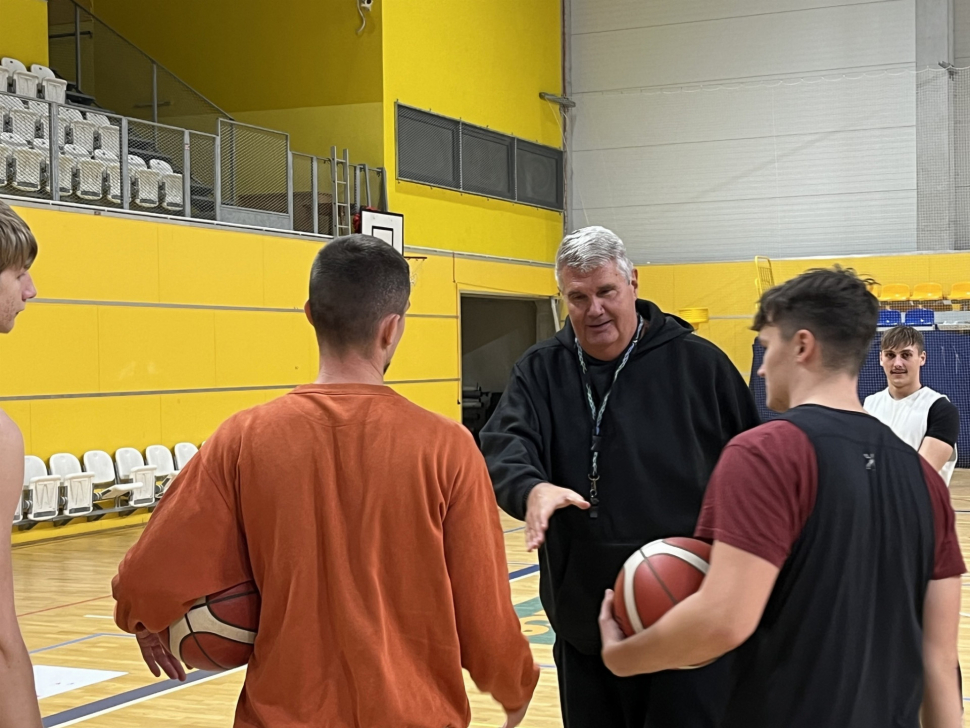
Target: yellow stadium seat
x=928 y=292
x=894 y=292
x=960 y=291
x=875 y=289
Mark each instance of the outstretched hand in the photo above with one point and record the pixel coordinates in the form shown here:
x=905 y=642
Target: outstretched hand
x=544 y=500
x=157 y=656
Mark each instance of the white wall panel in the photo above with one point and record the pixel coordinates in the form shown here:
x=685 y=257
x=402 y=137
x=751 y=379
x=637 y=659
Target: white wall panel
x=961 y=33
x=673 y=144
x=813 y=41
x=739 y=230
x=597 y=17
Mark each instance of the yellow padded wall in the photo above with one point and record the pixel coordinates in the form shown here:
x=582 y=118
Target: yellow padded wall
x=23 y=31
x=484 y=63
x=155 y=331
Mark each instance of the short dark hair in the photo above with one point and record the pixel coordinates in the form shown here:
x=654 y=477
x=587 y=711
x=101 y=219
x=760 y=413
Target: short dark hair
x=902 y=337
x=355 y=282
x=834 y=304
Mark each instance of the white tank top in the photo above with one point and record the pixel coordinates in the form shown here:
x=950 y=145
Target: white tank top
x=907 y=418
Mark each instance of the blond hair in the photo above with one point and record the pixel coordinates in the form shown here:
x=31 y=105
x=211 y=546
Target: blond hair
x=18 y=246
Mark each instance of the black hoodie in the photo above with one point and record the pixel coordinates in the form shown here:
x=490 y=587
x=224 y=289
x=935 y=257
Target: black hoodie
x=672 y=410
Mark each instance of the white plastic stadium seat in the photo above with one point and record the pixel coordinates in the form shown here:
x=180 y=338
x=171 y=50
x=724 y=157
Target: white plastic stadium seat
x=161 y=457
x=184 y=451
x=53 y=88
x=131 y=467
x=77 y=486
x=41 y=490
x=42 y=120
x=66 y=165
x=27 y=166
x=108 y=134
x=4 y=79
x=102 y=467
x=91 y=178
x=23 y=120
x=82 y=132
x=146 y=182
x=8 y=104
x=7 y=143
x=24 y=82
x=171 y=184
x=113 y=171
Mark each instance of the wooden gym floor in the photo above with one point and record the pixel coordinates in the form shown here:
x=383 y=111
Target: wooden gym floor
x=90 y=673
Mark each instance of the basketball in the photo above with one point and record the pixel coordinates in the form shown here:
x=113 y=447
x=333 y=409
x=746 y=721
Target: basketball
x=655 y=578
x=218 y=631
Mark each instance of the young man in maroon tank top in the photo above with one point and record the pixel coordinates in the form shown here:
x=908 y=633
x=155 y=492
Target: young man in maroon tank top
x=836 y=567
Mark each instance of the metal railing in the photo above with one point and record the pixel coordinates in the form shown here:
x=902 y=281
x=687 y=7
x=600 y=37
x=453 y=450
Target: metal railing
x=241 y=175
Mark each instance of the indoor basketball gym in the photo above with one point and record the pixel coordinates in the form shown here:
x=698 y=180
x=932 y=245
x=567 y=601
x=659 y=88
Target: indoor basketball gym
x=182 y=163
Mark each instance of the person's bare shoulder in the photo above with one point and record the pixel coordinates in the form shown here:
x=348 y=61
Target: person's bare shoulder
x=10 y=434
x=11 y=449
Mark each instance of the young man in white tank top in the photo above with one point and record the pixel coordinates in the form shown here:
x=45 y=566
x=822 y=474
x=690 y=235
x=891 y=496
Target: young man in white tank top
x=919 y=416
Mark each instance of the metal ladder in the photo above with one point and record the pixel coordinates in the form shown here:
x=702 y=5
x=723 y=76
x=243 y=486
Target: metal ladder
x=341 y=179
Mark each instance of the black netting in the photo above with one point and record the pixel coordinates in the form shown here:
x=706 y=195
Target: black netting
x=445 y=152
x=428 y=148
x=539 y=177
x=487 y=162
x=254 y=166
x=303 y=193
x=202 y=161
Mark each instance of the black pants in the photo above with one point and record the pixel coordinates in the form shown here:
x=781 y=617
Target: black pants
x=593 y=697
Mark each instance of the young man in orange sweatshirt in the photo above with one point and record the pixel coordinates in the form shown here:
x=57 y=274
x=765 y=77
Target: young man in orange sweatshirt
x=368 y=524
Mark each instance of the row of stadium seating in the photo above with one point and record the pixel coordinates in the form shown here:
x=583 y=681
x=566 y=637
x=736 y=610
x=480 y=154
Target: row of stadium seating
x=67 y=490
x=38 y=82
x=900 y=292
x=925 y=319
x=89 y=175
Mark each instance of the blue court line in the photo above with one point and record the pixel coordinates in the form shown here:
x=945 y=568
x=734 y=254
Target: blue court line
x=522 y=528
x=80 y=639
x=148 y=691
x=518 y=574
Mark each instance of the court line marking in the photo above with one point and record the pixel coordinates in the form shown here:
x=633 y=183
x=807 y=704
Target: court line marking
x=63 y=606
x=80 y=639
x=522 y=573
x=98 y=616
x=131 y=697
x=522 y=528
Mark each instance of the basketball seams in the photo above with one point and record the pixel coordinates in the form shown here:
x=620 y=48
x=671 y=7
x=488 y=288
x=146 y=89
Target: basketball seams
x=215 y=617
x=629 y=591
x=658 y=548
x=660 y=581
x=198 y=644
x=697 y=562
x=225 y=598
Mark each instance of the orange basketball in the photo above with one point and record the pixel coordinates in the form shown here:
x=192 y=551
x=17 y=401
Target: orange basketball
x=219 y=630
x=655 y=578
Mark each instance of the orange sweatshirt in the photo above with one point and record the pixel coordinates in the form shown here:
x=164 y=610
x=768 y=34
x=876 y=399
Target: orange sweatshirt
x=371 y=529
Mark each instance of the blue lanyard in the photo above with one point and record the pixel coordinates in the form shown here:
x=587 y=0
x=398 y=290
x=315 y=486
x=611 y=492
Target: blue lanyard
x=597 y=413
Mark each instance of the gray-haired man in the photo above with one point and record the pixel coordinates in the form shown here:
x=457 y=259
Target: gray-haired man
x=604 y=440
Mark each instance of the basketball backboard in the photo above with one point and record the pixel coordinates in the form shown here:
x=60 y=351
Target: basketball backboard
x=388 y=226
